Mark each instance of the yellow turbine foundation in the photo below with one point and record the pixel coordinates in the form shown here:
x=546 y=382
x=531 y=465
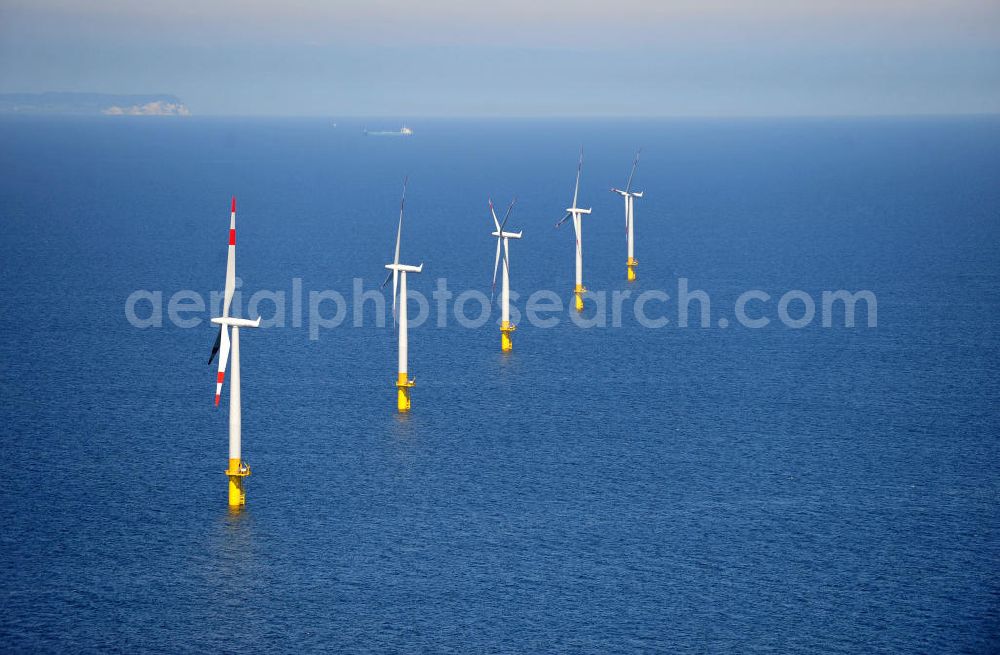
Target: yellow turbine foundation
x=403 y=385
x=506 y=327
x=631 y=263
x=578 y=293
x=237 y=471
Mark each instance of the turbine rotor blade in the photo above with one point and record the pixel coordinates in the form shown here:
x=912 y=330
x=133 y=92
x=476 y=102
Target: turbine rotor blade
x=506 y=215
x=395 y=284
x=399 y=228
x=215 y=347
x=628 y=213
x=391 y=274
x=494 y=214
x=496 y=265
x=579 y=167
x=230 y=288
x=506 y=260
x=564 y=219
x=635 y=162
x=223 y=360
x=399 y=234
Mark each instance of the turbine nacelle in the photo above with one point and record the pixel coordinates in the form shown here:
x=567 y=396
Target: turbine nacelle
x=506 y=235
x=634 y=194
x=237 y=322
x=404 y=268
x=577 y=210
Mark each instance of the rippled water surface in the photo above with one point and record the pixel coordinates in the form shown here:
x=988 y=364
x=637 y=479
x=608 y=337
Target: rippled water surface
x=598 y=490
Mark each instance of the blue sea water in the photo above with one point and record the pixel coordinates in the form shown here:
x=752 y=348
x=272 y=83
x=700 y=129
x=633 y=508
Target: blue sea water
x=598 y=490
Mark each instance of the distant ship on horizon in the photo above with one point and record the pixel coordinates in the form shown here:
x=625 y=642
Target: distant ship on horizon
x=403 y=131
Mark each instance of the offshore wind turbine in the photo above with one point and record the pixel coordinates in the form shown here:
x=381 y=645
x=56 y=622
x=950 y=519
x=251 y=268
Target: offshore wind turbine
x=502 y=244
x=630 y=197
x=238 y=469
x=398 y=274
x=577 y=215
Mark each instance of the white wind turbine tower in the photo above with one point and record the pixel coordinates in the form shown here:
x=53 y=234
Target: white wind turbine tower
x=237 y=468
x=502 y=243
x=577 y=214
x=398 y=274
x=630 y=197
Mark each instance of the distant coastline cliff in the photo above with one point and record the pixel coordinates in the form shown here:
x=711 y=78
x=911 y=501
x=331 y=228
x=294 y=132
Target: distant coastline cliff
x=92 y=104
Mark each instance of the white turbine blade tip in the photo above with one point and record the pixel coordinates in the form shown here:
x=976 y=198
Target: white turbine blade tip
x=493 y=213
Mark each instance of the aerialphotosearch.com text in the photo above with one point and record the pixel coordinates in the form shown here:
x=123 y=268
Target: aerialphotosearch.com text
x=328 y=309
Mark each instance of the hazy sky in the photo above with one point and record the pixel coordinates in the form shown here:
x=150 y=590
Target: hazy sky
x=520 y=58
